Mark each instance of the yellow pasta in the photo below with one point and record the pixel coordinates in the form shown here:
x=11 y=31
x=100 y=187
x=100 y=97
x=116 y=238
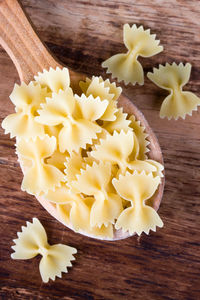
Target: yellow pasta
x=105 y=90
x=126 y=67
x=73 y=166
x=79 y=212
x=54 y=80
x=39 y=176
x=117 y=148
x=58 y=159
x=100 y=88
x=137 y=188
x=76 y=150
x=159 y=168
x=74 y=210
x=27 y=100
x=142 y=137
x=94 y=181
x=120 y=123
x=77 y=116
x=103 y=232
x=33 y=241
x=173 y=78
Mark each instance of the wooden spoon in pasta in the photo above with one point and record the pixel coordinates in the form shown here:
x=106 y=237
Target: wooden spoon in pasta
x=30 y=56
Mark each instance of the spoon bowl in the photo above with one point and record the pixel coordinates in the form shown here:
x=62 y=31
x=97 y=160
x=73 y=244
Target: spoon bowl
x=30 y=56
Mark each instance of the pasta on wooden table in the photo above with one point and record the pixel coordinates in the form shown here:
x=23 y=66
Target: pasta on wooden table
x=173 y=78
x=126 y=67
x=33 y=241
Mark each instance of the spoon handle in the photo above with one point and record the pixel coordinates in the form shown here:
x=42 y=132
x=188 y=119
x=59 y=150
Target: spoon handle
x=21 y=42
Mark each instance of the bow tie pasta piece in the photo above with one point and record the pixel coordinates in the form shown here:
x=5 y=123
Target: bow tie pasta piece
x=117 y=148
x=139 y=42
x=33 y=241
x=93 y=181
x=77 y=116
x=105 y=90
x=172 y=78
x=120 y=123
x=137 y=188
x=40 y=176
x=138 y=217
x=27 y=100
x=54 y=80
x=141 y=137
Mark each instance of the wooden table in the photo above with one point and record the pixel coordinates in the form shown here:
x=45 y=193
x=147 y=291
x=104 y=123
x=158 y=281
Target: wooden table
x=165 y=264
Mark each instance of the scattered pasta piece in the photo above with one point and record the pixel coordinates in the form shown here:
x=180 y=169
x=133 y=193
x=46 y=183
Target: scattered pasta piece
x=40 y=176
x=173 y=78
x=139 y=217
x=54 y=80
x=126 y=67
x=77 y=116
x=94 y=181
x=27 y=99
x=33 y=241
x=141 y=137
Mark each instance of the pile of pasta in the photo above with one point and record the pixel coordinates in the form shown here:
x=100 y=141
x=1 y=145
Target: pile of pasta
x=84 y=154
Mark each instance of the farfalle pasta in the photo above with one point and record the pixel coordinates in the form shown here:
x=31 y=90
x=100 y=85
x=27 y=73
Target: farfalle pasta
x=40 y=176
x=27 y=100
x=94 y=180
x=85 y=146
x=173 y=78
x=126 y=67
x=137 y=188
x=77 y=116
x=33 y=241
x=118 y=150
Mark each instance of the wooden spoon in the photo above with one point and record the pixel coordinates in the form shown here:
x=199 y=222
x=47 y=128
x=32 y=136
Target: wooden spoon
x=30 y=56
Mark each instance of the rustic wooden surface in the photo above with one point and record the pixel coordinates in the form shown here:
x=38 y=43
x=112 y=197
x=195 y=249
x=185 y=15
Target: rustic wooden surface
x=165 y=264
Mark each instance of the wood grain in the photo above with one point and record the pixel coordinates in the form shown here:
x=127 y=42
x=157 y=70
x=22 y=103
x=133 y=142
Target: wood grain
x=166 y=264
